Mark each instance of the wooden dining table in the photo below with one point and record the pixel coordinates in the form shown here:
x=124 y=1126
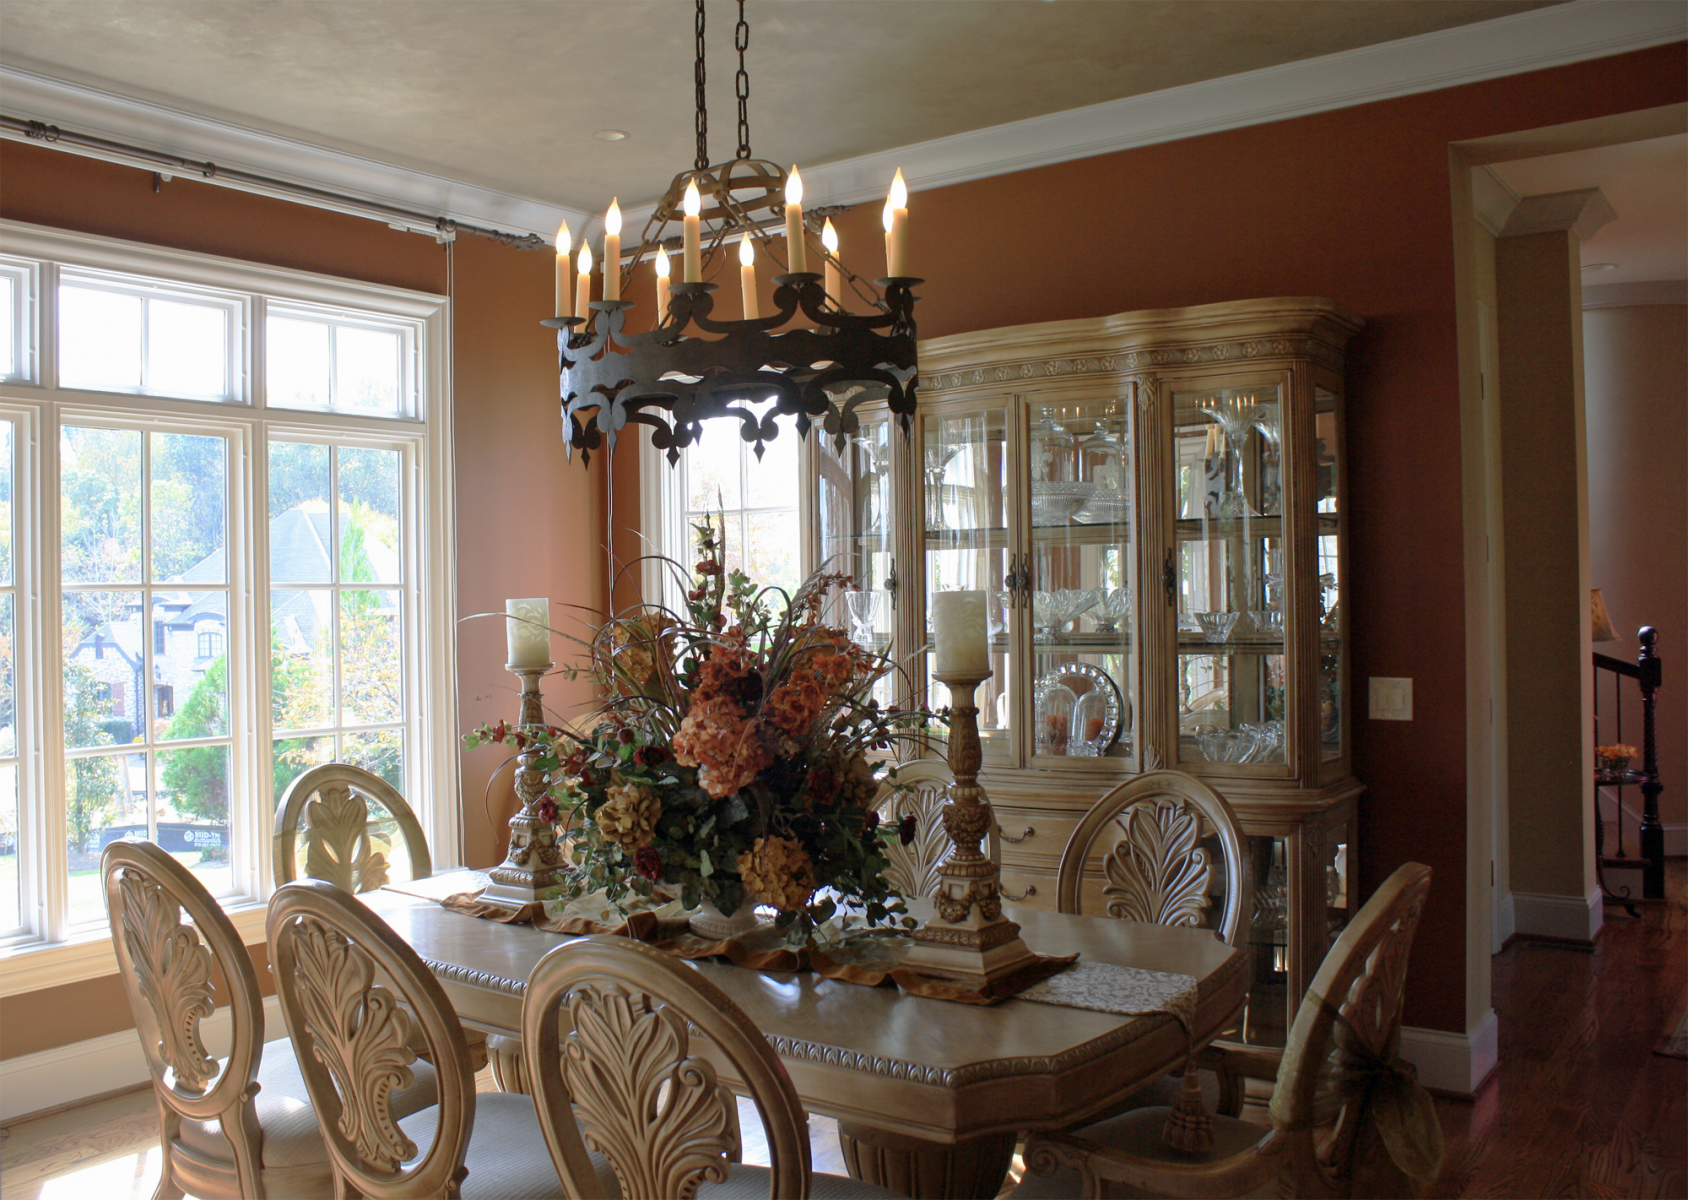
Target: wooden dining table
x=930 y=1095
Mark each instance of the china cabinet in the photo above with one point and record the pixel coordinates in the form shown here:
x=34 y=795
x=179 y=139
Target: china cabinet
x=1154 y=504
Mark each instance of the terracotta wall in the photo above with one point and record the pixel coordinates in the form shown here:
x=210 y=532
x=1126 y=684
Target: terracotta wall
x=525 y=517
x=1354 y=205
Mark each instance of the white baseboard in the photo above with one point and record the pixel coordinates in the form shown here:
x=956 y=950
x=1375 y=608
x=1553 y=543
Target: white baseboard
x=1453 y=1062
x=1506 y=920
x=1676 y=836
x=1565 y=917
x=67 y=1074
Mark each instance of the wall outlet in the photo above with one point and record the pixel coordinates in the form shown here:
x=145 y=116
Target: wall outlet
x=1391 y=699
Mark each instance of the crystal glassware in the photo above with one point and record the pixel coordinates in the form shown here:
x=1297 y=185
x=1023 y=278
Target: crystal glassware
x=1269 y=420
x=1267 y=621
x=1055 y=705
x=1102 y=464
x=862 y=608
x=936 y=464
x=1216 y=626
x=1235 y=418
x=1111 y=607
x=1090 y=725
x=1052 y=452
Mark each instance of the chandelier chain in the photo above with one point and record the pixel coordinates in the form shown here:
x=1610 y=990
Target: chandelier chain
x=741 y=82
x=702 y=100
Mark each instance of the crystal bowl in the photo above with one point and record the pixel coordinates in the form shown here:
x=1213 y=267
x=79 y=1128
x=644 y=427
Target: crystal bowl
x=1057 y=503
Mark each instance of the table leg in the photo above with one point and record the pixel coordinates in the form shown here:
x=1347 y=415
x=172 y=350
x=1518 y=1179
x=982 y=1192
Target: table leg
x=508 y=1067
x=972 y=1170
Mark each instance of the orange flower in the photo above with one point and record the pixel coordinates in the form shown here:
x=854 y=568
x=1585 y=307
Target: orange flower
x=778 y=871
x=718 y=739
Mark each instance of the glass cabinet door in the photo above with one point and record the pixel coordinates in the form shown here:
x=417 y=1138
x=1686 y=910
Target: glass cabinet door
x=1228 y=561
x=1327 y=443
x=1082 y=580
x=964 y=463
x=854 y=495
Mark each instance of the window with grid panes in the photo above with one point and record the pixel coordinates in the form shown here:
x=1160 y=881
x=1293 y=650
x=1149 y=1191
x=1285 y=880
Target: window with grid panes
x=219 y=575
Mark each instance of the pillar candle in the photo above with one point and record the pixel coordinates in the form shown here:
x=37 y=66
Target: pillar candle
x=834 y=277
x=527 y=631
x=896 y=228
x=692 y=245
x=583 y=287
x=662 y=292
x=612 y=252
x=564 y=243
x=747 y=276
x=959 y=632
x=797 y=254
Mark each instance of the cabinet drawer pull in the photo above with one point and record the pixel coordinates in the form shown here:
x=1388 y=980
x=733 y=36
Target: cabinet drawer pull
x=1031 y=890
x=1014 y=841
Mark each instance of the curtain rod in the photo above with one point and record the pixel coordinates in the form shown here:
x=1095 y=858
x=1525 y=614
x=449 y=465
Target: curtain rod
x=441 y=229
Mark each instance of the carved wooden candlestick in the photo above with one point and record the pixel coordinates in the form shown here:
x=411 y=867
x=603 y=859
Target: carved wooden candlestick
x=968 y=939
x=535 y=861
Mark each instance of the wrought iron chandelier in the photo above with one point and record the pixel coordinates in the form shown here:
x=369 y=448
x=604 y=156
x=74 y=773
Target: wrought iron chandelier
x=692 y=365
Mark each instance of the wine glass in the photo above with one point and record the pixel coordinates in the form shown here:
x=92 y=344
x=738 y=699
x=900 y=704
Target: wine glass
x=863 y=609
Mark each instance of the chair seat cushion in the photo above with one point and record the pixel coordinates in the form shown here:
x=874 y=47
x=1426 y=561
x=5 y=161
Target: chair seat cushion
x=508 y=1158
x=291 y=1137
x=1138 y=1133
x=751 y=1183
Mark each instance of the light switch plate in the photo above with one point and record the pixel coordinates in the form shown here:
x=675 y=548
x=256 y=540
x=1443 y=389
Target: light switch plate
x=1391 y=699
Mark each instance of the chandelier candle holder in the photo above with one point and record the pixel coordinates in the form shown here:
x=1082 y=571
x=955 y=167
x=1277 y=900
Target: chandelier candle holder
x=690 y=365
x=534 y=861
x=967 y=940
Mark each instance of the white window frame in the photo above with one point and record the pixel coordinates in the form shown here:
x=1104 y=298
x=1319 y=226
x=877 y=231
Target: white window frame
x=237 y=310
x=47 y=955
x=26 y=278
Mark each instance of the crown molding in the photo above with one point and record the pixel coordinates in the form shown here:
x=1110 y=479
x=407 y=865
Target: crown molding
x=1584 y=212
x=1628 y=295
x=1528 y=41
x=74 y=106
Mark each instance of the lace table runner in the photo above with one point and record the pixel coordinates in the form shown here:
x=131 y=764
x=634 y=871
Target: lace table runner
x=1127 y=991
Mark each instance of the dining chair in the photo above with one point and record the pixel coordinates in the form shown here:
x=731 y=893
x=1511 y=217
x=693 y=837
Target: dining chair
x=356 y=999
x=1348 y=1118
x=921 y=789
x=240 y=1126
x=327 y=827
x=608 y=1023
x=1150 y=843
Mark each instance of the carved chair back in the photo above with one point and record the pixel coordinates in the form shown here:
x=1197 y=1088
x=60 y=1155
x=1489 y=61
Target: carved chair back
x=1346 y=1030
x=165 y=966
x=328 y=814
x=607 y=1026
x=354 y=1038
x=1158 y=867
x=921 y=789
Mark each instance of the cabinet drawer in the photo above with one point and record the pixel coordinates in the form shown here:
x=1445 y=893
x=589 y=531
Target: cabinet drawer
x=1050 y=829
x=1036 y=886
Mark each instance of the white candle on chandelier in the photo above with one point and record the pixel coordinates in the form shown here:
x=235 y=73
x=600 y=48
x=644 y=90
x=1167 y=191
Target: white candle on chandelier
x=527 y=632
x=691 y=266
x=612 y=252
x=834 y=280
x=583 y=286
x=564 y=243
x=796 y=254
x=662 y=292
x=747 y=276
x=896 y=228
x=959 y=634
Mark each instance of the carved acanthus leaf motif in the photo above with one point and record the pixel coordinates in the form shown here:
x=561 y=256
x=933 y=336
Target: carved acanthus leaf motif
x=653 y=1110
x=362 y=1035
x=1158 y=872
x=913 y=869
x=337 y=844
x=173 y=969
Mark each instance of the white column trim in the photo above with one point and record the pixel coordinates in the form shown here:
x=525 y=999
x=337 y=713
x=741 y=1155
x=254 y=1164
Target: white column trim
x=1455 y=1063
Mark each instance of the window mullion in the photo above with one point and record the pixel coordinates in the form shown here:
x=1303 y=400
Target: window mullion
x=52 y=820
x=248 y=662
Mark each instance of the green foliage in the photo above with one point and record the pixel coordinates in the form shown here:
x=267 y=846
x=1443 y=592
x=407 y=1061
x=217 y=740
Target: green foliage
x=197 y=778
x=97 y=789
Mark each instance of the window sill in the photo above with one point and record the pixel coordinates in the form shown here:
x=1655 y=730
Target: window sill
x=38 y=965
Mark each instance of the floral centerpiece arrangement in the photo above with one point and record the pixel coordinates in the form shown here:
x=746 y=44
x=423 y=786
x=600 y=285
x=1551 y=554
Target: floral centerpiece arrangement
x=1615 y=758
x=735 y=758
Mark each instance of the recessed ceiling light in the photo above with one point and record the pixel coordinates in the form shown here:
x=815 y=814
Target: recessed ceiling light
x=1600 y=266
x=611 y=135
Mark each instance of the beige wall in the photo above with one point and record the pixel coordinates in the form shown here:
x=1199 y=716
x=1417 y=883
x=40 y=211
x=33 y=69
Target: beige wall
x=1636 y=371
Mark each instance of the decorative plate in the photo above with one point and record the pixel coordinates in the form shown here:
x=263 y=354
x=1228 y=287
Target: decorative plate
x=1116 y=713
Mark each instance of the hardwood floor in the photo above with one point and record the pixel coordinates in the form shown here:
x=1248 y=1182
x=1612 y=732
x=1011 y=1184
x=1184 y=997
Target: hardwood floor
x=1580 y=1107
